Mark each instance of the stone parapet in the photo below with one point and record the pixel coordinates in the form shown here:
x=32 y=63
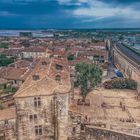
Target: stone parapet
x=95 y=133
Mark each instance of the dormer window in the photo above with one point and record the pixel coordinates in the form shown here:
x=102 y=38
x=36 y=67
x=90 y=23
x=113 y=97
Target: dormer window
x=35 y=77
x=44 y=63
x=58 y=78
x=59 y=67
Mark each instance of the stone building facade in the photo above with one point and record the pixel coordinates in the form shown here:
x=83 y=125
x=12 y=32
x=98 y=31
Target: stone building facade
x=42 y=102
x=8 y=124
x=34 y=52
x=95 y=133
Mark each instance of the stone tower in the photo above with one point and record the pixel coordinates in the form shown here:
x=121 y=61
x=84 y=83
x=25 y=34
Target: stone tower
x=42 y=102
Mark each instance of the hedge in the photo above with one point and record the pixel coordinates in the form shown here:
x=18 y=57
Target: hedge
x=120 y=83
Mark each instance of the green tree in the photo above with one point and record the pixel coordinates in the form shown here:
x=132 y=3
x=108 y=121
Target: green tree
x=70 y=57
x=3 y=45
x=4 y=60
x=88 y=76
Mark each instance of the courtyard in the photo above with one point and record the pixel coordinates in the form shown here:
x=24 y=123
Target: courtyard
x=114 y=109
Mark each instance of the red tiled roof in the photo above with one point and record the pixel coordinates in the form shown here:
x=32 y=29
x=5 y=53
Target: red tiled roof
x=6 y=114
x=46 y=84
x=35 y=49
x=11 y=73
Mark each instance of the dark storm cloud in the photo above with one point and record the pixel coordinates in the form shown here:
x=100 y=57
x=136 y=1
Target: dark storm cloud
x=69 y=13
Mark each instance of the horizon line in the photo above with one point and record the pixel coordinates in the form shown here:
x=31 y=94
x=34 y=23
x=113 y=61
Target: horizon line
x=127 y=28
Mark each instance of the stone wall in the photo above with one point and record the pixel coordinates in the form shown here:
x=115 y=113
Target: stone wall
x=74 y=128
x=95 y=133
x=129 y=68
x=26 y=124
x=62 y=104
x=51 y=115
x=8 y=130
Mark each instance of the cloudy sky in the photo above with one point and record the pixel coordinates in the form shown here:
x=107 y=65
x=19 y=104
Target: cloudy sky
x=69 y=13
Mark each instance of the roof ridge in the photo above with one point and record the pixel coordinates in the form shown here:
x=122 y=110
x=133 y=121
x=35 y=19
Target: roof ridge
x=34 y=85
x=50 y=66
x=19 y=91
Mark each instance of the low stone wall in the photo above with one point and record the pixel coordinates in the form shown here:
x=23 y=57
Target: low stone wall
x=74 y=125
x=129 y=68
x=8 y=130
x=95 y=133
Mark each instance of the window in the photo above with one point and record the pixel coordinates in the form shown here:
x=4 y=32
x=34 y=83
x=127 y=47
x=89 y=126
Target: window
x=6 y=121
x=20 y=117
x=58 y=78
x=37 y=101
x=35 y=77
x=33 y=117
x=102 y=61
x=73 y=129
x=2 y=137
x=96 y=56
x=58 y=67
x=38 y=130
x=82 y=127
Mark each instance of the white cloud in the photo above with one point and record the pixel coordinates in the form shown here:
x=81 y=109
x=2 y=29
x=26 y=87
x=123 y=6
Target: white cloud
x=72 y=2
x=98 y=9
x=83 y=1
x=64 y=1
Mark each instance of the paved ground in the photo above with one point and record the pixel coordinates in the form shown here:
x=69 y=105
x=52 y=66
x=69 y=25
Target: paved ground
x=110 y=72
x=112 y=114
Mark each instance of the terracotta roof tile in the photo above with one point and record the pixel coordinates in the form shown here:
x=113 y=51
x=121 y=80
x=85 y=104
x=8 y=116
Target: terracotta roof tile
x=46 y=84
x=11 y=73
x=6 y=114
x=21 y=64
x=35 y=49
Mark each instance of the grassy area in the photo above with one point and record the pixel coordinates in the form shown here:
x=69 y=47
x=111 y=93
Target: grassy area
x=3 y=45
